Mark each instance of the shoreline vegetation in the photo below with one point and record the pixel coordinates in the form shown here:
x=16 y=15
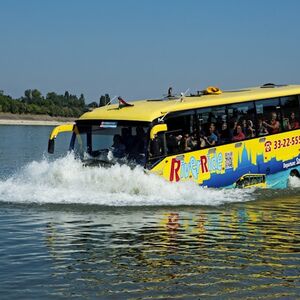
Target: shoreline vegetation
x=53 y=109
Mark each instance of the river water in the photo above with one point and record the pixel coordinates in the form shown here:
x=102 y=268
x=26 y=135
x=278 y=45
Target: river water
x=69 y=231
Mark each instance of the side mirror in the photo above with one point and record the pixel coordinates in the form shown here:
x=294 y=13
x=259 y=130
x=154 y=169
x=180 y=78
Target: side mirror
x=55 y=132
x=157 y=128
x=51 y=144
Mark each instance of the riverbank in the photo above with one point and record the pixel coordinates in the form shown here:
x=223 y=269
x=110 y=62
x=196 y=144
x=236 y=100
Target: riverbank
x=27 y=119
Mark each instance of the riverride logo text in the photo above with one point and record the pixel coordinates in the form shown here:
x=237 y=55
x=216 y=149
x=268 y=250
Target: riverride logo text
x=191 y=169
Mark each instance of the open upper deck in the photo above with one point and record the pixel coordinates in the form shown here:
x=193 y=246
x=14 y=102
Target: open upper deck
x=149 y=110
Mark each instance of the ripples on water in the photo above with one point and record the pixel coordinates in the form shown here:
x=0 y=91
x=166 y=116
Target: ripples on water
x=230 y=251
x=69 y=231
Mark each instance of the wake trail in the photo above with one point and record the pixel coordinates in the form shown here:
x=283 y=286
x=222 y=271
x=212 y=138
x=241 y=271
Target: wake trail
x=66 y=180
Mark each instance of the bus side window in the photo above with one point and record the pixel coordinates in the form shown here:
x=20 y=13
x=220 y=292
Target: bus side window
x=182 y=132
x=241 y=118
x=268 y=117
x=290 y=112
x=213 y=128
x=174 y=142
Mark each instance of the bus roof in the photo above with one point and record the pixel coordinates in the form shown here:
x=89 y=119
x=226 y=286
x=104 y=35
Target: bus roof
x=149 y=110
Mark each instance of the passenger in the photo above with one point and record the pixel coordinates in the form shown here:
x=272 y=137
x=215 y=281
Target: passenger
x=292 y=122
x=139 y=144
x=212 y=138
x=173 y=143
x=244 y=127
x=285 y=123
x=189 y=142
x=118 y=147
x=185 y=143
x=202 y=141
x=232 y=128
x=193 y=141
x=224 y=133
x=262 y=130
x=202 y=137
x=274 y=126
x=127 y=138
x=250 y=131
x=155 y=147
x=238 y=135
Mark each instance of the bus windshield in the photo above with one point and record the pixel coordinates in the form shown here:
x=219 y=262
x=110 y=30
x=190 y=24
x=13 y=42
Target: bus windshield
x=110 y=142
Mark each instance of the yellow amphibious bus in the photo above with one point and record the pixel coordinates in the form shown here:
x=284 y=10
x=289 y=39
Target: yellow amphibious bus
x=212 y=137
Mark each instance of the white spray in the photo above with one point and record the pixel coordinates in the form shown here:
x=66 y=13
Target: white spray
x=66 y=180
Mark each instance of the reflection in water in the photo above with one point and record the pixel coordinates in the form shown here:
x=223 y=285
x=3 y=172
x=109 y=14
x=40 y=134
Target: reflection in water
x=240 y=250
x=233 y=251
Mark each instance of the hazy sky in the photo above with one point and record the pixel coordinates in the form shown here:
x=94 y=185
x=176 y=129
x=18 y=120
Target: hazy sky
x=138 y=48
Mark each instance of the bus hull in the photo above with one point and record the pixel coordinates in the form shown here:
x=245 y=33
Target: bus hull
x=223 y=165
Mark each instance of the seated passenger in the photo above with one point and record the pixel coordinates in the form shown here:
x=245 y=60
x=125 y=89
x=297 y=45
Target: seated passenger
x=274 y=126
x=155 y=147
x=173 y=143
x=238 y=134
x=232 y=129
x=189 y=142
x=250 y=131
x=202 y=142
x=139 y=144
x=212 y=138
x=118 y=147
x=193 y=141
x=262 y=130
x=292 y=122
x=184 y=143
x=127 y=138
x=285 y=123
x=224 y=133
x=244 y=126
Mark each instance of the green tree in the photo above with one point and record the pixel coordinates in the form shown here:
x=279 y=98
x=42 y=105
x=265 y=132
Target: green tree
x=102 y=101
x=93 y=104
x=53 y=104
x=36 y=94
x=107 y=99
x=28 y=95
x=81 y=100
x=67 y=95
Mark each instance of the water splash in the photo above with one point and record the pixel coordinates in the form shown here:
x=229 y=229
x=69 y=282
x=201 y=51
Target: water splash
x=66 y=180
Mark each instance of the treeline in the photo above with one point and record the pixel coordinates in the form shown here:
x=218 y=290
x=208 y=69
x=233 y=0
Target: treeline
x=33 y=102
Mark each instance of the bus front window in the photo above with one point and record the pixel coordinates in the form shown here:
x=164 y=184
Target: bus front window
x=111 y=143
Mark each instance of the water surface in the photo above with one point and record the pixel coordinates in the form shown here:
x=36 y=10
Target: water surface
x=72 y=231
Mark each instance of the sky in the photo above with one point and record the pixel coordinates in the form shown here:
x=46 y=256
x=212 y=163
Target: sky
x=138 y=48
